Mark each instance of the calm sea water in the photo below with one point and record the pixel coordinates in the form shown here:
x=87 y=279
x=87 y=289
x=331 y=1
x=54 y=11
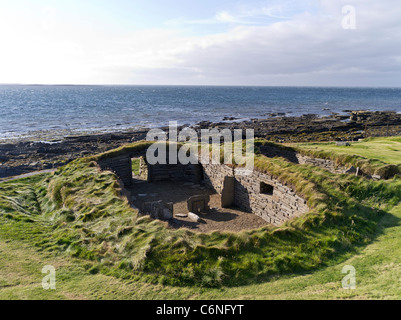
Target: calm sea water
x=25 y=110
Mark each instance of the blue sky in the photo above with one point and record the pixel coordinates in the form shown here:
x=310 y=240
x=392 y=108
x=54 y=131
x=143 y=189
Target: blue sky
x=267 y=42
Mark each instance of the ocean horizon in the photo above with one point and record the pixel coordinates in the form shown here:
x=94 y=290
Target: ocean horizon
x=28 y=110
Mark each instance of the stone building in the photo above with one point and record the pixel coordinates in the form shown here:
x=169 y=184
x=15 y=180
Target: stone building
x=258 y=193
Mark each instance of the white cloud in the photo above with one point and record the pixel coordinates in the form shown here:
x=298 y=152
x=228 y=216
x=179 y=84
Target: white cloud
x=224 y=16
x=308 y=49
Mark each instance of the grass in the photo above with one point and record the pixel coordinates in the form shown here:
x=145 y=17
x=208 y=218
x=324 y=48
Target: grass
x=76 y=218
x=380 y=156
x=387 y=150
x=136 y=163
x=378 y=270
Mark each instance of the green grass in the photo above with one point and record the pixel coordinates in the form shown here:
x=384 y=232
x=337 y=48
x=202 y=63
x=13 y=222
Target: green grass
x=378 y=270
x=77 y=218
x=380 y=156
x=136 y=163
x=387 y=150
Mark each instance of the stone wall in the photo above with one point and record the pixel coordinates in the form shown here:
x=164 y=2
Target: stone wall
x=214 y=174
x=276 y=205
x=294 y=157
x=121 y=166
x=280 y=205
x=143 y=169
x=175 y=172
x=322 y=163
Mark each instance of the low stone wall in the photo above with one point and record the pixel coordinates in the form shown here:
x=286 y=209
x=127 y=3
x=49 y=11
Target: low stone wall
x=271 y=152
x=298 y=158
x=280 y=205
x=322 y=163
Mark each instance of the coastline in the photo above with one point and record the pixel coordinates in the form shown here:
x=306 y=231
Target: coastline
x=44 y=152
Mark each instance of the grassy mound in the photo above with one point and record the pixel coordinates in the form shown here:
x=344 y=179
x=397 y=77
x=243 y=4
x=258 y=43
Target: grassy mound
x=78 y=210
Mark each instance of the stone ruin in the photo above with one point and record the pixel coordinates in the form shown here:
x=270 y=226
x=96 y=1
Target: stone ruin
x=198 y=204
x=165 y=211
x=260 y=194
x=159 y=210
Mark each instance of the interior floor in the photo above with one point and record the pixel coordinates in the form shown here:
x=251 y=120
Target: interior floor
x=217 y=219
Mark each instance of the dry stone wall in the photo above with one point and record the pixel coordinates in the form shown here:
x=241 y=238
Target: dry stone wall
x=258 y=193
x=322 y=163
x=277 y=207
x=121 y=166
x=294 y=157
x=214 y=174
x=175 y=172
x=280 y=205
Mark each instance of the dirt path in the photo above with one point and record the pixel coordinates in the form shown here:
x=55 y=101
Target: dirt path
x=26 y=175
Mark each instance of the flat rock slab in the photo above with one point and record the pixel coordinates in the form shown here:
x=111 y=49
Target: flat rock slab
x=181 y=215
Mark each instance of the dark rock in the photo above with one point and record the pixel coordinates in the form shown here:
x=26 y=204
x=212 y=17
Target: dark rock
x=229 y=119
x=343 y=144
x=279 y=128
x=351 y=170
x=6 y=147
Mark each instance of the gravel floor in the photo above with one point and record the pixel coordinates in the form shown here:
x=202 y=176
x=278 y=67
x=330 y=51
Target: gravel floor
x=217 y=218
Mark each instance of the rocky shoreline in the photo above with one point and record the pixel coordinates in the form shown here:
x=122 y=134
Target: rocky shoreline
x=22 y=157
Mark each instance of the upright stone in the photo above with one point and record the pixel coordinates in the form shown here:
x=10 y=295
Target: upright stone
x=227 y=195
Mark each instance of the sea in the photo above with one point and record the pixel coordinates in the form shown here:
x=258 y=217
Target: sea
x=29 y=110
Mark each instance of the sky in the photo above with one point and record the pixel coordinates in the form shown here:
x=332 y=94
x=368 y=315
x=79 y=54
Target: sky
x=208 y=42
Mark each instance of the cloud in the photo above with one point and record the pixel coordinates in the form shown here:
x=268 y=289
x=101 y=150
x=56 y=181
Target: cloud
x=224 y=16
x=246 y=15
x=310 y=47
